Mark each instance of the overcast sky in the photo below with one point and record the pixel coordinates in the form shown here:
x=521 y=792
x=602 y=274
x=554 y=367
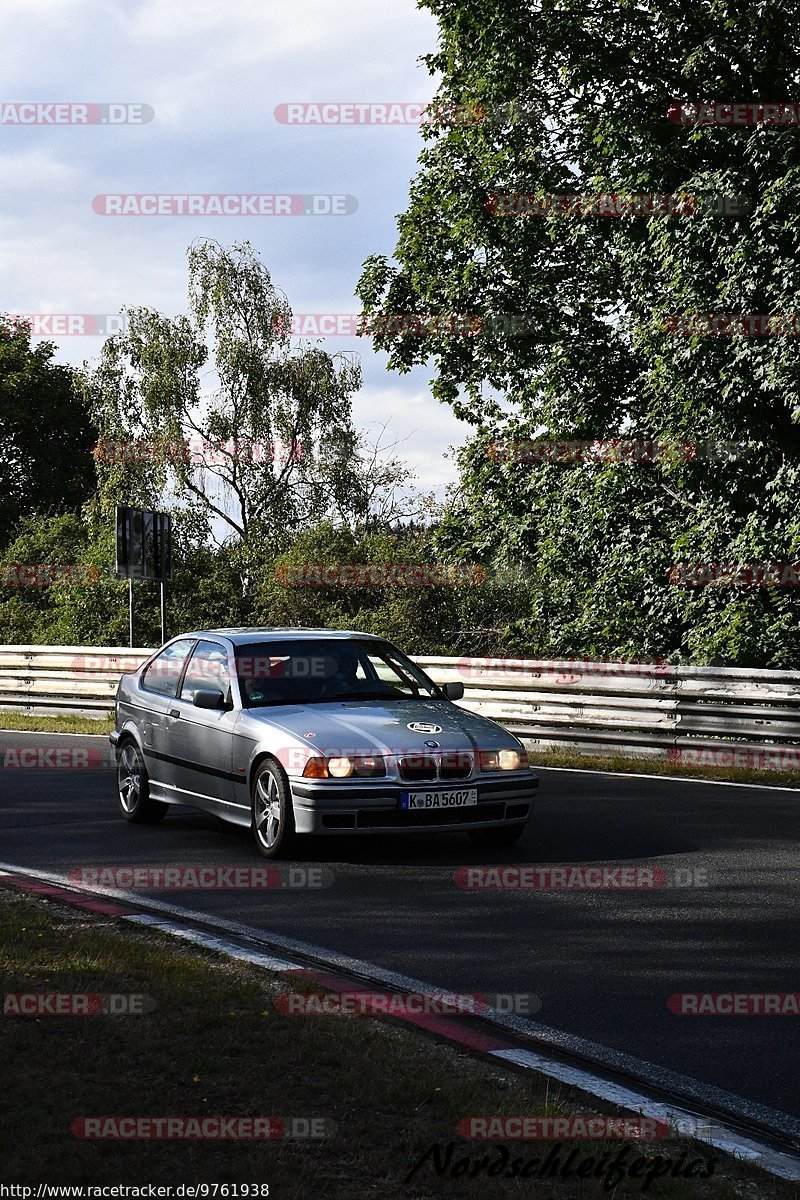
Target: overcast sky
x=213 y=71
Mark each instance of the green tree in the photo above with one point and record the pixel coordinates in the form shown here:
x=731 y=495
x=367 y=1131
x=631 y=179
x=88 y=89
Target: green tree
x=217 y=415
x=46 y=435
x=92 y=608
x=468 y=613
x=576 y=339
x=38 y=611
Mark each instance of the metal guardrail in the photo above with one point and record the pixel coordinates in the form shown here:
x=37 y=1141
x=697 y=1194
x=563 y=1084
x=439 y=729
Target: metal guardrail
x=639 y=710
x=646 y=710
x=53 y=680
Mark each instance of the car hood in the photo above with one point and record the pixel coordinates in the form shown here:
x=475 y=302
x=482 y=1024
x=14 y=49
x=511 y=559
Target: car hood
x=377 y=727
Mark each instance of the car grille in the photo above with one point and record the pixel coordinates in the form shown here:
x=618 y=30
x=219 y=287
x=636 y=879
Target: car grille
x=455 y=766
x=415 y=768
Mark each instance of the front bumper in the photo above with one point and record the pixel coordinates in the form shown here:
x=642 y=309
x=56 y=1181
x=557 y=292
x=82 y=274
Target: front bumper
x=371 y=806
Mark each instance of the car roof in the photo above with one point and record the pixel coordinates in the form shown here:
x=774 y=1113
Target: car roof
x=244 y=636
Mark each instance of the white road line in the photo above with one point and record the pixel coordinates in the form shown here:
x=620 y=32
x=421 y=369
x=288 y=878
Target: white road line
x=222 y=945
x=686 y=1123
x=762 y=787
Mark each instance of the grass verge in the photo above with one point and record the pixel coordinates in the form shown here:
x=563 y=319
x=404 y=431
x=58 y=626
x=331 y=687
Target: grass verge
x=56 y=724
x=215 y=1045
x=574 y=760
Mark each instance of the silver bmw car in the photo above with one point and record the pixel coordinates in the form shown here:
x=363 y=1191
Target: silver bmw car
x=292 y=731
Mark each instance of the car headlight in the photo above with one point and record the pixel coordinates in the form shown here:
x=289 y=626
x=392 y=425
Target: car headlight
x=367 y=766
x=504 y=760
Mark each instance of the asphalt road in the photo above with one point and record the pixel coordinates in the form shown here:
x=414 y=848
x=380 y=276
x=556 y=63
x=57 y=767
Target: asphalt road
x=603 y=962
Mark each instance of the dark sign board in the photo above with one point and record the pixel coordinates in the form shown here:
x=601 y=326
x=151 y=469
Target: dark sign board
x=144 y=549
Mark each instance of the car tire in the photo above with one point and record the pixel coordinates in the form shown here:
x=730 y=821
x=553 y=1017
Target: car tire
x=495 y=839
x=272 y=820
x=133 y=787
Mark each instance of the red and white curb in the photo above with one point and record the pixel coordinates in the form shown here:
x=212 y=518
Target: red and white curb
x=327 y=969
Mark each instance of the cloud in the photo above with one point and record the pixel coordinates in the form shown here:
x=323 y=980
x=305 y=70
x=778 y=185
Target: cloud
x=214 y=73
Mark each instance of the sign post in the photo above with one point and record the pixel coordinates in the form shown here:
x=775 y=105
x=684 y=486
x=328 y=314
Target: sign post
x=163 y=611
x=144 y=551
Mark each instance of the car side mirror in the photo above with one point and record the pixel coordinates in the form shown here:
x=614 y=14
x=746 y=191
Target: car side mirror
x=453 y=691
x=208 y=698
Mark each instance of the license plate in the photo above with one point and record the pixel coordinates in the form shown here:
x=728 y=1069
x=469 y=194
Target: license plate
x=454 y=798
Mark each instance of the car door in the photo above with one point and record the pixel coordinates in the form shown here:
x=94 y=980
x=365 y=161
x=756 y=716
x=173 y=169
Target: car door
x=156 y=692
x=200 y=740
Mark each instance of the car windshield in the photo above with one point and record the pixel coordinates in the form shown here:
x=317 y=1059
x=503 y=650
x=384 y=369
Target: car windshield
x=320 y=670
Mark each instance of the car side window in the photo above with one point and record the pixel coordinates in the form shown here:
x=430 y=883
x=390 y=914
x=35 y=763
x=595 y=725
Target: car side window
x=164 y=673
x=393 y=675
x=207 y=671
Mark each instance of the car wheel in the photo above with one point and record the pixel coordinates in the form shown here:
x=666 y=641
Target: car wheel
x=494 y=839
x=273 y=814
x=133 y=788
